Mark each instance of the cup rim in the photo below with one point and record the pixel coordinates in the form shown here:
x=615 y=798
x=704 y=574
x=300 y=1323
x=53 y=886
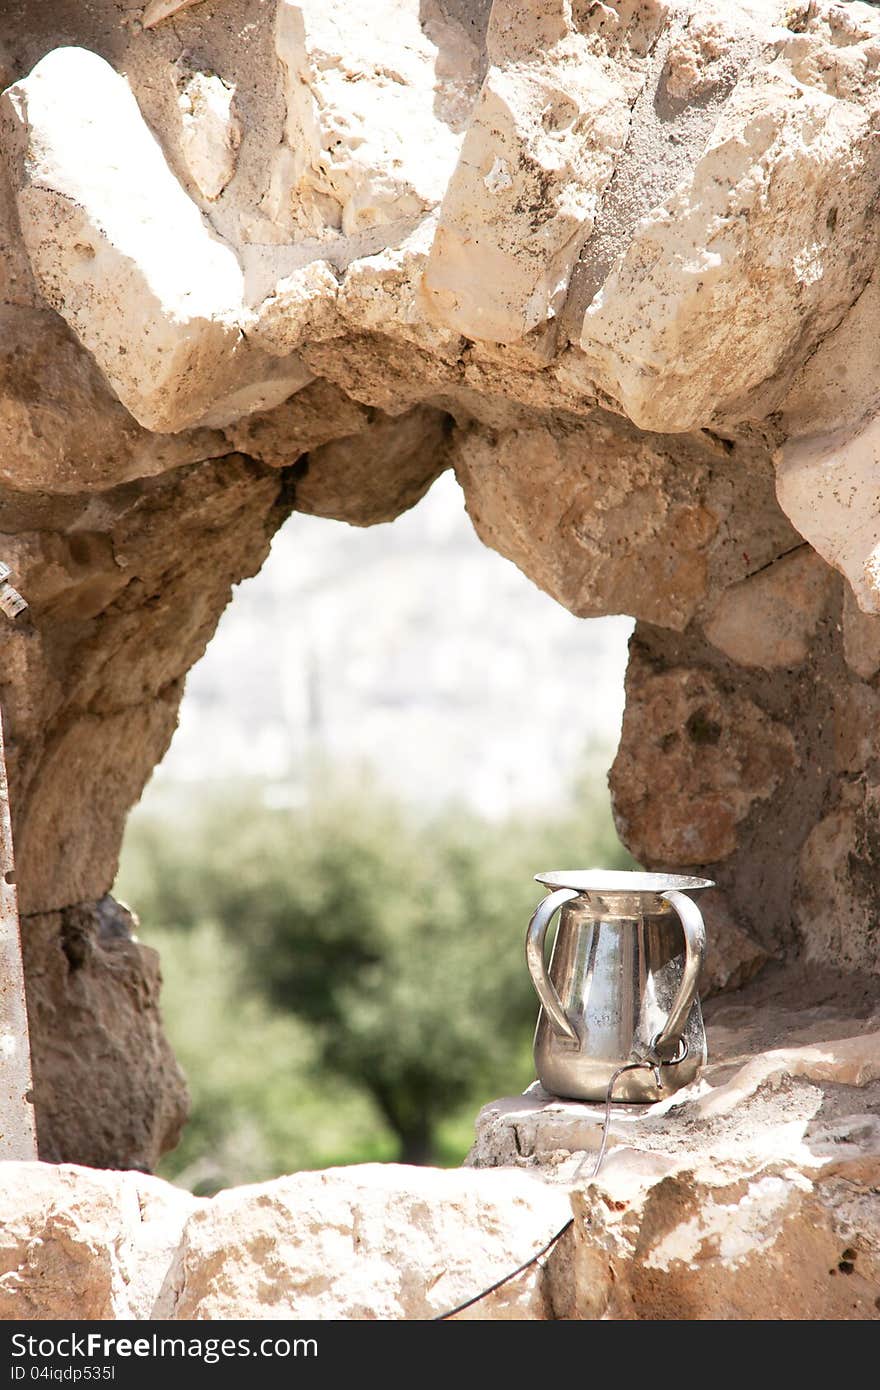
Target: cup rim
x=621 y=881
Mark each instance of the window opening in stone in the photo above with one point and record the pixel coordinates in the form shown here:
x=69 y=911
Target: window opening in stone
x=390 y=732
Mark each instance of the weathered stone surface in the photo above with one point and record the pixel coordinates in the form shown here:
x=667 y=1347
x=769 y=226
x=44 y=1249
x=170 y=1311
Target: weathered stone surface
x=314 y=416
x=838 y=898
x=855 y=714
x=769 y=619
x=720 y=753
x=733 y=956
x=76 y=1244
x=861 y=638
x=826 y=485
x=728 y=283
x=600 y=527
x=121 y=251
x=791 y=1246
x=302 y=306
x=108 y=1090
x=121 y=603
x=211 y=129
x=372 y=1241
x=551 y=121
x=609 y=261
x=837 y=386
x=751 y=1194
x=362 y=141
x=62 y=430
x=382 y=294
x=580 y=190
x=374 y=476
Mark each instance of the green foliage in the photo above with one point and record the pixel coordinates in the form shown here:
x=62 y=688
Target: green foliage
x=365 y=962
x=260 y=1103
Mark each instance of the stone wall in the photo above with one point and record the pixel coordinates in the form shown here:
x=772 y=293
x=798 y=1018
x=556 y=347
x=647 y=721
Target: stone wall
x=613 y=263
x=752 y=1194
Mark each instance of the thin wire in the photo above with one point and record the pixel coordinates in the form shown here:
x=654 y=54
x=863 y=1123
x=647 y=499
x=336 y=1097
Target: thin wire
x=441 y=1317
x=600 y=1157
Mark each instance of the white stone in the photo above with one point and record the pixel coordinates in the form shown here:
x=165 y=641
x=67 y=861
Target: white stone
x=371 y=1241
x=211 y=131
x=301 y=306
x=753 y=258
x=119 y=249
x=382 y=294
x=751 y=1194
x=827 y=486
x=78 y=1243
x=551 y=119
x=362 y=143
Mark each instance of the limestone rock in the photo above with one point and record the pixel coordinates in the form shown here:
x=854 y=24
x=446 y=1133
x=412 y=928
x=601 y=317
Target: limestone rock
x=374 y=476
x=211 y=130
x=75 y=1244
x=373 y=1241
x=300 y=307
x=599 y=529
x=362 y=144
x=861 y=638
x=314 y=416
x=382 y=293
x=120 y=250
x=769 y=619
x=108 y=1090
x=855 y=715
x=750 y=1194
x=699 y=57
x=552 y=118
x=720 y=754
x=61 y=428
x=826 y=485
x=836 y=901
x=119 y=610
x=837 y=387
x=791 y=1247
x=728 y=283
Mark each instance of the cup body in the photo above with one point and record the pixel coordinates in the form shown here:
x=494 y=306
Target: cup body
x=617 y=967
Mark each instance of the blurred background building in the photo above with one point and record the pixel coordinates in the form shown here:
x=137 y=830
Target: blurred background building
x=410 y=649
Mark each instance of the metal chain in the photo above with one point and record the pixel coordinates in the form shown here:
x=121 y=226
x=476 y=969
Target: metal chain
x=643 y=1063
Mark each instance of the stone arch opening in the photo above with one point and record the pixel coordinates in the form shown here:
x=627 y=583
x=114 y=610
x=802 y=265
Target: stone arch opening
x=262 y=310
x=403 y=674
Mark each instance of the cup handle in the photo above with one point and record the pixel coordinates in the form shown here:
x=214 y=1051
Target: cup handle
x=544 y=986
x=668 y=1041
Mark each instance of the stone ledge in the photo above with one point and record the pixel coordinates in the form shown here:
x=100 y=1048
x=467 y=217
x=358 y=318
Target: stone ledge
x=815 y=1098
x=753 y=1194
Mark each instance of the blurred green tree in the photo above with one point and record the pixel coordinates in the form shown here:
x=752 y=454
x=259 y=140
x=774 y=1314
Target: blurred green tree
x=395 y=939
x=261 y=1103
